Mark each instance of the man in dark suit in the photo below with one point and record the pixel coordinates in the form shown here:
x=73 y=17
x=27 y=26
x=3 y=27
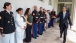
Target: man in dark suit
x=64 y=18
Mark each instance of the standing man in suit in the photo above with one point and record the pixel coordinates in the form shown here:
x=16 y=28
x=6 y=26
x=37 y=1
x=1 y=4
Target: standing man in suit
x=64 y=18
x=7 y=23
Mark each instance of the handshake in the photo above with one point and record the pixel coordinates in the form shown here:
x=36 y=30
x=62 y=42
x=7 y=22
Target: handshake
x=53 y=17
x=1 y=28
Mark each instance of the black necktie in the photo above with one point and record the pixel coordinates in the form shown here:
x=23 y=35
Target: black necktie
x=23 y=18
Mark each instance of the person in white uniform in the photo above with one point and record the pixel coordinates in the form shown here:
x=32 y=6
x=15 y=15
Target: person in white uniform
x=20 y=25
x=7 y=24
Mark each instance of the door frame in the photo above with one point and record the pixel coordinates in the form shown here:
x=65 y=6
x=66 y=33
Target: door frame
x=72 y=9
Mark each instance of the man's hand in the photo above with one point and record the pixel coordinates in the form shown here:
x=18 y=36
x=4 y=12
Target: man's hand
x=38 y=14
x=1 y=28
x=33 y=14
x=40 y=22
x=70 y=27
x=3 y=35
x=30 y=23
x=53 y=17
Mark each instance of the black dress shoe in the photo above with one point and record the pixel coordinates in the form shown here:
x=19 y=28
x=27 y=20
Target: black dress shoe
x=37 y=36
x=40 y=34
x=63 y=42
x=60 y=36
x=52 y=26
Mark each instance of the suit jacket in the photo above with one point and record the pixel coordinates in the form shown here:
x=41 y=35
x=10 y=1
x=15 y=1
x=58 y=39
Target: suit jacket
x=7 y=22
x=20 y=23
x=65 y=20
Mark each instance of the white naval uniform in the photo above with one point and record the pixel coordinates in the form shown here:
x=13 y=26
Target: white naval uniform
x=19 y=22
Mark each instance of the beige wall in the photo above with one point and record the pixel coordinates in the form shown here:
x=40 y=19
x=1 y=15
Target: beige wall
x=54 y=3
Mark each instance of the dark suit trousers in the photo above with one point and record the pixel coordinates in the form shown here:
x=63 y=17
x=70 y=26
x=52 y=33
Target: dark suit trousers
x=28 y=34
x=63 y=30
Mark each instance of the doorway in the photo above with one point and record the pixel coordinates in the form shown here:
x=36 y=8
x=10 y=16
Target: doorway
x=68 y=4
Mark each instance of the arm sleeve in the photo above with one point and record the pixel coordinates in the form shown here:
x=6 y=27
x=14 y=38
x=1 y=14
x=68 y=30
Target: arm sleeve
x=58 y=15
x=69 y=20
x=1 y=21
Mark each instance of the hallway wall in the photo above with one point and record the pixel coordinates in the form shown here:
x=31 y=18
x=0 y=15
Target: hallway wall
x=24 y=4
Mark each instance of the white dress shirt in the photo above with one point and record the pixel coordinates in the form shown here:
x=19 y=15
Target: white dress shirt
x=64 y=13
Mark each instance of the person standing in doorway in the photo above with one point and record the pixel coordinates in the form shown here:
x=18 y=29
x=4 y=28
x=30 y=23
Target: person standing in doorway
x=64 y=18
x=7 y=24
x=20 y=25
x=29 y=19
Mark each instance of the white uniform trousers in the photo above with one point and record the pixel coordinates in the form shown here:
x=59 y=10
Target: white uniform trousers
x=19 y=36
x=9 y=38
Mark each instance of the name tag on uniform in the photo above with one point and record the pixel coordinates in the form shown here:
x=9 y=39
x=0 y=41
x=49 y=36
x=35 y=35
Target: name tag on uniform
x=36 y=17
x=8 y=21
x=41 y=17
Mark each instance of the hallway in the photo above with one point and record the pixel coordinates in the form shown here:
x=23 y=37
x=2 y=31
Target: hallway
x=50 y=36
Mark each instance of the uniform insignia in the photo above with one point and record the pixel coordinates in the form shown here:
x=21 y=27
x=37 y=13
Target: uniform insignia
x=11 y=20
x=12 y=24
x=8 y=21
x=6 y=12
x=12 y=15
x=0 y=17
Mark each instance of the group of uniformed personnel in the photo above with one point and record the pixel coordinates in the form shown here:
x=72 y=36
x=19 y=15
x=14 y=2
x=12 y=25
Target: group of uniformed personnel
x=38 y=22
x=9 y=27
x=35 y=22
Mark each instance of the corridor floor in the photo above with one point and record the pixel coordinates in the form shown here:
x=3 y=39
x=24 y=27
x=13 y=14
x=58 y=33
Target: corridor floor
x=51 y=35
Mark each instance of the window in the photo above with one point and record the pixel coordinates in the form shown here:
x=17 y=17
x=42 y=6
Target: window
x=64 y=0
